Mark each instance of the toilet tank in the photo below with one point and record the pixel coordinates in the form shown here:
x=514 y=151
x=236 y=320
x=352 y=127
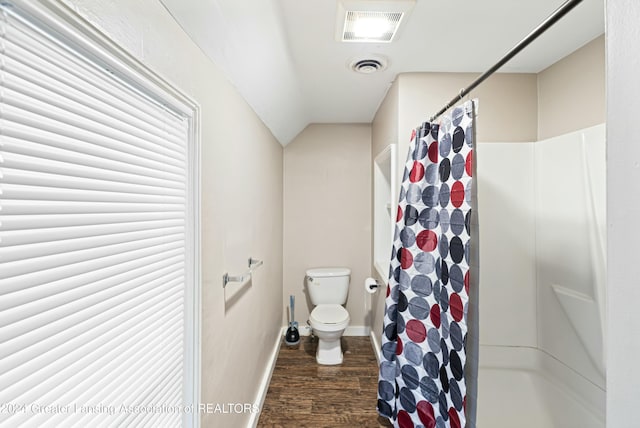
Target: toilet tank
x=328 y=285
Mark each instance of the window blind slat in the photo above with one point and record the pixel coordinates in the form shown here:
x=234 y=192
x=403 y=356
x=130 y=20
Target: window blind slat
x=35 y=180
x=14 y=207
x=28 y=141
x=46 y=193
x=46 y=252
x=51 y=268
x=21 y=77
x=36 y=171
x=24 y=375
x=31 y=222
x=17 y=110
x=68 y=69
x=65 y=111
x=137 y=294
x=57 y=376
x=114 y=232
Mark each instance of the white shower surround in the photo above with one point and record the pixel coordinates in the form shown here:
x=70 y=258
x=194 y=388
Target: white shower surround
x=542 y=290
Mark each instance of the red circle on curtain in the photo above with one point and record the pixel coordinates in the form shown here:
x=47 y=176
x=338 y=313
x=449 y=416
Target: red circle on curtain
x=427 y=240
x=434 y=314
x=457 y=194
x=426 y=414
x=454 y=419
x=399 y=215
x=406 y=258
x=417 y=172
x=416 y=331
x=456 y=307
x=466 y=282
x=468 y=165
x=398 y=346
x=404 y=419
x=433 y=152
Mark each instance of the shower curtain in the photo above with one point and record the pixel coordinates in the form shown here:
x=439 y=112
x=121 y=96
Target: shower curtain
x=426 y=340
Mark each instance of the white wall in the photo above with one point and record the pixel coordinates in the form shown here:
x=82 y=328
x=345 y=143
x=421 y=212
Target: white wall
x=570 y=249
x=623 y=212
x=241 y=202
x=506 y=210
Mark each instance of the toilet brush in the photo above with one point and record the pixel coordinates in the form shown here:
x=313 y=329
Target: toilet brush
x=292 y=338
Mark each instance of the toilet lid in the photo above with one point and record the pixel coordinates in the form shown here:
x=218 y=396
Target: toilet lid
x=329 y=314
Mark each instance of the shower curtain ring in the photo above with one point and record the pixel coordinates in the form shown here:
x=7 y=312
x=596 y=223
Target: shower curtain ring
x=461 y=94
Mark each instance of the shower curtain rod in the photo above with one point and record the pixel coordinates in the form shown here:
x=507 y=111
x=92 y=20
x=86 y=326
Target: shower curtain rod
x=544 y=26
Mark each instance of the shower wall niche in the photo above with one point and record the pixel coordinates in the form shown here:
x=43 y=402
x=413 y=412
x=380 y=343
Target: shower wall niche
x=385 y=202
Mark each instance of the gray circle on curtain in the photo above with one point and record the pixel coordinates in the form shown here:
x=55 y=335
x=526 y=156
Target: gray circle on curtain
x=419 y=308
x=424 y=263
x=388 y=371
x=433 y=339
x=431 y=364
x=456 y=277
x=431 y=173
x=407 y=237
x=456 y=336
x=421 y=285
x=413 y=353
x=414 y=194
x=444 y=145
x=429 y=389
x=457 y=166
x=445 y=221
x=457 y=222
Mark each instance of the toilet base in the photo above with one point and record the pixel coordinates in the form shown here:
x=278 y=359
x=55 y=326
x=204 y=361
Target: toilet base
x=329 y=350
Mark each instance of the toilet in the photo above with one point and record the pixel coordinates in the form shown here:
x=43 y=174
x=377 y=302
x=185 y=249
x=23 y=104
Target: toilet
x=328 y=289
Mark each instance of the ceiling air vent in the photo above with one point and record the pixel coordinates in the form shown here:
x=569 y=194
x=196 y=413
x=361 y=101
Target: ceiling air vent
x=370 y=21
x=368 y=65
x=370 y=26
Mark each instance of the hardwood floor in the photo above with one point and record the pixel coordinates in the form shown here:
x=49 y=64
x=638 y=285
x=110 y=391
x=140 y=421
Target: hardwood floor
x=303 y=393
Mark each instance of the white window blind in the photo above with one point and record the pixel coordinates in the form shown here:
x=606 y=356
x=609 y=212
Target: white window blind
x=96 y=240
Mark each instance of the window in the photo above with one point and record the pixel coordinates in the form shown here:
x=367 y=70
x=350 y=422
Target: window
x=98 y=232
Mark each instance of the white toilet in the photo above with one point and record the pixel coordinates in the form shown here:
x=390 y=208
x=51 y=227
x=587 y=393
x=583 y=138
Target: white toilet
x=328 y=289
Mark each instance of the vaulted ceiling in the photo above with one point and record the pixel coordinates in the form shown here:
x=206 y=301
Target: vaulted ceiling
x=285 y=61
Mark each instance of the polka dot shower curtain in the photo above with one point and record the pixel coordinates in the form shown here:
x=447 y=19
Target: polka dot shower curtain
x=428 y=371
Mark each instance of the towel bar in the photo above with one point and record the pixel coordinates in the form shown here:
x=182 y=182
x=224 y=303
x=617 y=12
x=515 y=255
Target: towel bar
x=253 y=265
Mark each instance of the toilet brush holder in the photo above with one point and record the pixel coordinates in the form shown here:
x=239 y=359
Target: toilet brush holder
x=292 y=337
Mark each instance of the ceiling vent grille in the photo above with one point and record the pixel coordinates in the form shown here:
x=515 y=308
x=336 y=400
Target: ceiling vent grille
x=368 y=65
x=366 y=26
x=372 y=21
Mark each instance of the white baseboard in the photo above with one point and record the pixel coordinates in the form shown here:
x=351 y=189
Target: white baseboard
x=357 y=330
x=266 y=379
x=352 y=330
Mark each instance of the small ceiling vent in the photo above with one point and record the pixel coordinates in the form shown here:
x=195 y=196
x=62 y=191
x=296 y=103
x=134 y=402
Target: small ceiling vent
x=368 y=65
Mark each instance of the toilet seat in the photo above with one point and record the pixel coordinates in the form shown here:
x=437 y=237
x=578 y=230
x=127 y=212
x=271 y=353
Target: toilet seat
x=329 y=317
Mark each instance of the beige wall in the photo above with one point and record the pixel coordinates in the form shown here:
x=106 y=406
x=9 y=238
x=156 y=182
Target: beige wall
x=384 y=128
x=571 y=92
x=241 y=202
x=507 y=111
x=327 y=211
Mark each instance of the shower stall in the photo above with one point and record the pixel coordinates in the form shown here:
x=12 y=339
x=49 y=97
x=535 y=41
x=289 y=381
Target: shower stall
x=542 y=212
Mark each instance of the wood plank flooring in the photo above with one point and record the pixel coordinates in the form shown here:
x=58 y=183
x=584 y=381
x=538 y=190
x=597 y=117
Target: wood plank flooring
x=303 y=393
